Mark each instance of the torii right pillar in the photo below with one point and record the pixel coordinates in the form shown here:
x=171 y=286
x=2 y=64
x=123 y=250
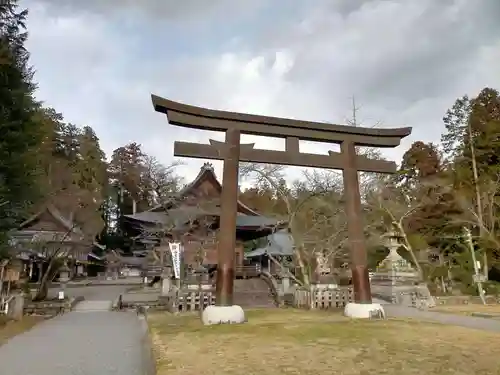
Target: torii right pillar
x=356 y=240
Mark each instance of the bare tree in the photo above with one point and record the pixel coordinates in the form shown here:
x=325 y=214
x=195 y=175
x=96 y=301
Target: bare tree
x=162 y=178
x=56 y=248
x=314 y=213
x=390 y=210
x=487 y=221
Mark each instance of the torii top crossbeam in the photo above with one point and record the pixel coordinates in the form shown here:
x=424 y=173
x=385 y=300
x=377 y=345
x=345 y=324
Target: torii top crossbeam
x=215 y=120
x=292 y=130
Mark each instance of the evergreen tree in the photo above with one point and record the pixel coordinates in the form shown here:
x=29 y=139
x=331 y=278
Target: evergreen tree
x=21 y=136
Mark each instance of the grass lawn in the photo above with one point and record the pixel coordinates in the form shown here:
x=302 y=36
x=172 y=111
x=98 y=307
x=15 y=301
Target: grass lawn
x=468 y=309
x=10 y=329
x=276 y=342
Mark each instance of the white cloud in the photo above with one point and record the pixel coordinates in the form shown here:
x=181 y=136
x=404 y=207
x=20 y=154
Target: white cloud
x=405 y=62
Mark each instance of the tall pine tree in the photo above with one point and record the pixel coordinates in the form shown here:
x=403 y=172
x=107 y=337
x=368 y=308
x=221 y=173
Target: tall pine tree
x=21 y=136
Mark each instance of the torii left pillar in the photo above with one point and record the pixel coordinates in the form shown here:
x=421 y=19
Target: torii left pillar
x=224 y=311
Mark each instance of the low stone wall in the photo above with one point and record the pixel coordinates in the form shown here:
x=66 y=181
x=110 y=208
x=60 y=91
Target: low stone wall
x=142 y=299
x=464 y=300
x=148 y=354
x=406 y=295
x=398 y=277
x=142 y=290
x=158 y=305
x=95 y=282
x=51 y=307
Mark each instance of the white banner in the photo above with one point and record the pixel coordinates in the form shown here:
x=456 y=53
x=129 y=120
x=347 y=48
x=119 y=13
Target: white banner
x=176 y=250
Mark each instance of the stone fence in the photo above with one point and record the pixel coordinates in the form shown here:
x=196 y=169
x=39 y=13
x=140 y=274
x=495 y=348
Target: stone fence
x=50 y=307
x=464 y=300
x=12 y=306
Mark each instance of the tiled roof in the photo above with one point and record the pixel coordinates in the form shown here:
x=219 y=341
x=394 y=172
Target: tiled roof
x=178 y=217
x=56 y=214
x=181 y=214
x=278 y=244
x=207 y=170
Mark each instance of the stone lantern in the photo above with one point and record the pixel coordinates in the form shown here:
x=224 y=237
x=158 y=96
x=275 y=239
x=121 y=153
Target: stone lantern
x=394 y=262
x=64 y=272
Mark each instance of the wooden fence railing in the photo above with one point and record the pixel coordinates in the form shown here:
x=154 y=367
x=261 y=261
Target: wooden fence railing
x=320 y=298
x=182 y=301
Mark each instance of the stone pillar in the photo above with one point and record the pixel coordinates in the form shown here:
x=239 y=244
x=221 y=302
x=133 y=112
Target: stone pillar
x=16 y=307
x=166 y=285
x=166 y=282
x=285 y=284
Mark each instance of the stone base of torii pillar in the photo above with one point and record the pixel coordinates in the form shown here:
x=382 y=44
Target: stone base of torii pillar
x=223 y=315
x=364 y=311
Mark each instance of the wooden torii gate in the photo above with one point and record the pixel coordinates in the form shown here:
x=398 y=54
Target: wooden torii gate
x=232 y=152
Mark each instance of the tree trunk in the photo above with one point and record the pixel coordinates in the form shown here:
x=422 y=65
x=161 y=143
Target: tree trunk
x=410 y=250
x=442 y=263
x=303 y=268
x=486 y=266
x=43 y=288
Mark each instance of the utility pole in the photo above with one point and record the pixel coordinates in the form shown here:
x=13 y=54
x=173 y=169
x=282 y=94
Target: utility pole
x=479 y=207
x=354 y=112
x=353 y=121
x=477 y=277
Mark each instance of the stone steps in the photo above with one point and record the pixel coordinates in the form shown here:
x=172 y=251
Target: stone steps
x=90 y=305
x=252 y=293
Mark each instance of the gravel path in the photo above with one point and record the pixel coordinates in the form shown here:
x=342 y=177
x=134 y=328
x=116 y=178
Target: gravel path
x=78 y=343
x=485 y=324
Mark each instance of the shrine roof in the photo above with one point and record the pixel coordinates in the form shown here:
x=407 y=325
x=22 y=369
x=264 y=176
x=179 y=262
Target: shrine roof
x=278 y=244
x=67 y=223
x=178 y=217
x=175 y=213
x=206 y=173
x=69 y=231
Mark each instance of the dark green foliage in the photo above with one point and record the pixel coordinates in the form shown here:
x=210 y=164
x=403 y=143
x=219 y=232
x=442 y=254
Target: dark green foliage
x=21 y=134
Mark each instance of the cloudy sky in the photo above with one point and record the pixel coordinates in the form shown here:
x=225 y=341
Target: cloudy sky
x=405 y=62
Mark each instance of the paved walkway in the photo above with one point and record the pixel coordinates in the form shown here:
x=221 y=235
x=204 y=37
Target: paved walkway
x=88 y=341
x=93 y=305
x=95 y=292
x=485 y=324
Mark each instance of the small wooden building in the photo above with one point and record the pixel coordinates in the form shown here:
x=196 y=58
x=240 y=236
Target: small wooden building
x=192 y=217
x=10 y=272
x=50 y=232
x=119 y=265
x=279 y=246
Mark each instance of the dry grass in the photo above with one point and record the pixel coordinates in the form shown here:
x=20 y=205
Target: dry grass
x=276 y=342
x=9 y=329
x=468 y=309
